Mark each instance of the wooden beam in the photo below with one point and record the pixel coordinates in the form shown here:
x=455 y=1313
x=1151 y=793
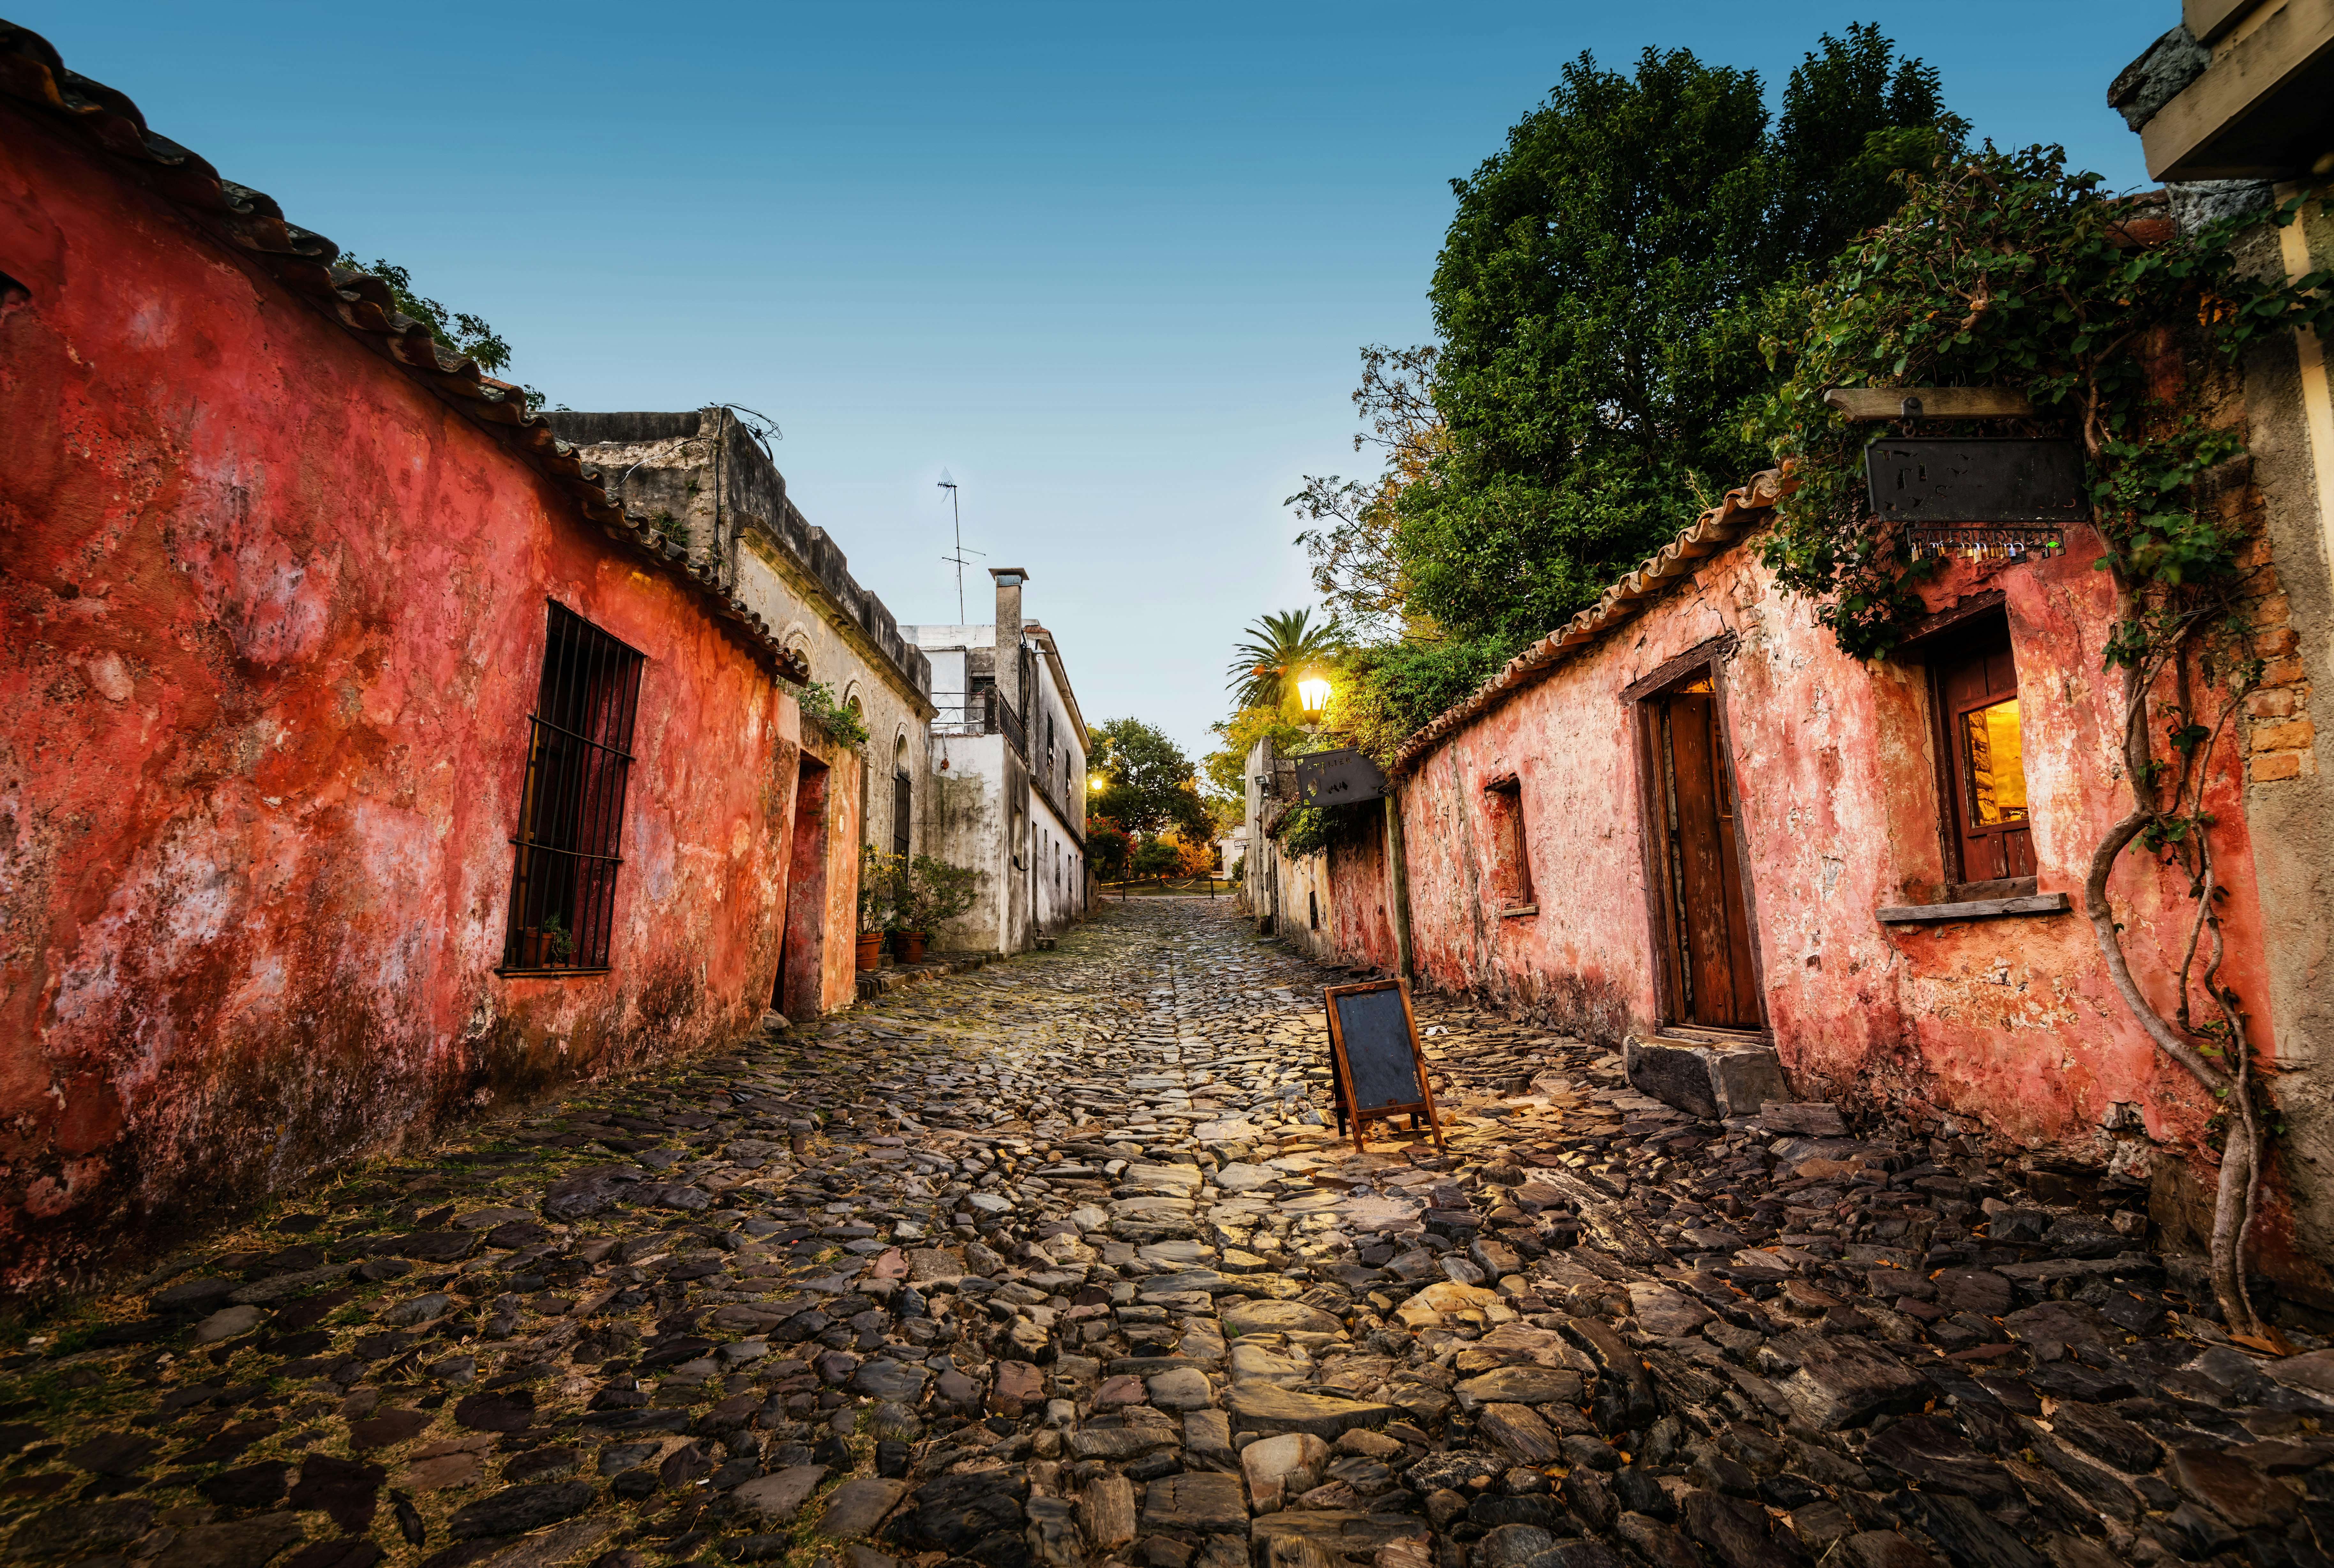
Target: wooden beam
x=1937 y=403
x=1975 y=909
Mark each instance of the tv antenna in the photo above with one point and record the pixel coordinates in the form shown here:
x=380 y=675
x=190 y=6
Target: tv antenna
x=949 y=485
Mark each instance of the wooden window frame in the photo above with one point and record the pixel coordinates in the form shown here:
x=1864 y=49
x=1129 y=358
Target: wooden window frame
x=1709 y=658
x=1510 y=848
x=1937 y=641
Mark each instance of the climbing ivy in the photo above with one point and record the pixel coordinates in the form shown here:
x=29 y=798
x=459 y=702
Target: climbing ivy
x=818 y=705
x=2004 y=270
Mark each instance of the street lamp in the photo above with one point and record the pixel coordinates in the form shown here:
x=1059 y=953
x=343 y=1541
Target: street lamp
x=1313 y=696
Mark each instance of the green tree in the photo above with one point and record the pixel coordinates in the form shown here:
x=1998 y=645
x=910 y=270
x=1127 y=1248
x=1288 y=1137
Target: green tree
x=1280 y=650
x=1601 y=295
x=1108 y=847
x=1148 y=784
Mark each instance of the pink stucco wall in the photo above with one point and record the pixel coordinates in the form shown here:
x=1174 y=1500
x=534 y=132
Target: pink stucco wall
x=274 y=617
x=2010 y=1020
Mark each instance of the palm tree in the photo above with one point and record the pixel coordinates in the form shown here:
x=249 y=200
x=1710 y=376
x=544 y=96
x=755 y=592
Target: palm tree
x=1276 y=655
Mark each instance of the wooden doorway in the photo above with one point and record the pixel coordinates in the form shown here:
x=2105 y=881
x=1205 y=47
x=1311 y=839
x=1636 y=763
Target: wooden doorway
x=1710 y=977
x=802 y=947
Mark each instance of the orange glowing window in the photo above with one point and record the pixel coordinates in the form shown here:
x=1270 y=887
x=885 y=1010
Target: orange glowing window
x=1997 y=782
x=1984 y=761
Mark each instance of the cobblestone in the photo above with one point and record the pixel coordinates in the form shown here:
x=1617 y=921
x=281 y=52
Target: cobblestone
x=1057 y=1263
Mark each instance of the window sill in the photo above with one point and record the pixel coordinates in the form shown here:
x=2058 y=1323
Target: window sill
x=1518 y=911
x=1972 y=909
x=552 y=974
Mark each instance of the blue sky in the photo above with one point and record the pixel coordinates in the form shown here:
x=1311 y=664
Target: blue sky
x=1110 y=267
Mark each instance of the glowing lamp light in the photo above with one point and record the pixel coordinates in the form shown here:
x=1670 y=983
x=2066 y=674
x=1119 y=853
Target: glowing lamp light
x=1313 y=696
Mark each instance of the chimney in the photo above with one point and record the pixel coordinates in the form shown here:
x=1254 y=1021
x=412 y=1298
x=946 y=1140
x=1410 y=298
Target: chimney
x=1009 y=615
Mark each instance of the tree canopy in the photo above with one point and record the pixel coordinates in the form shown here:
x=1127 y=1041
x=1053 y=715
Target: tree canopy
x=1615 y=299
x=1601 y=296
x=1148 y=784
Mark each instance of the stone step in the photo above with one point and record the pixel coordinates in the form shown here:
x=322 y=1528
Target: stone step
x=1704 y=1079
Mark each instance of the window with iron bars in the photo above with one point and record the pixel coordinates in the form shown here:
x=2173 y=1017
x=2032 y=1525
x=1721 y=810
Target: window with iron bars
x=579 y=760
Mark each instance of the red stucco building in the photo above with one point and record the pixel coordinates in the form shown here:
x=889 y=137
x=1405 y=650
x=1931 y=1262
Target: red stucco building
x=1688 y=815
x=360 y=762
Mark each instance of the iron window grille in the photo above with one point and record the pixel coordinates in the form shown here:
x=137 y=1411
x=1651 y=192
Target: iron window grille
x=572 y=808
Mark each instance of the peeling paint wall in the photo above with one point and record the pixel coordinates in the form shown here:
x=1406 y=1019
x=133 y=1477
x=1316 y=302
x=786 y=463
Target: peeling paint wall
x=2010 y=1020
x=274 y=617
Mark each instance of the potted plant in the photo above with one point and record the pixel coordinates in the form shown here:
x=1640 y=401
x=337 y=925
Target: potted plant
x=910 y=925
x=932 y=892
x=879 y=875
x=558 y=942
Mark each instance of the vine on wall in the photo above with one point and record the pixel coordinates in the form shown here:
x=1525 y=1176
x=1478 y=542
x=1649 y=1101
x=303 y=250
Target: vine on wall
x=2005 y=270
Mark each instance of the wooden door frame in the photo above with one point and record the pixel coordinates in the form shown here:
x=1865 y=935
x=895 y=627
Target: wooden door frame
x=1653 y=831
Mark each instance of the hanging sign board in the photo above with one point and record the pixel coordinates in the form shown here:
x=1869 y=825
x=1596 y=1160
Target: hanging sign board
x=1375 y=1056
x=1343 y=777
x=2000 y=479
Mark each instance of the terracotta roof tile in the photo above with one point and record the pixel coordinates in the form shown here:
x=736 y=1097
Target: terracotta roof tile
x=1741 y=512
x=32 y=73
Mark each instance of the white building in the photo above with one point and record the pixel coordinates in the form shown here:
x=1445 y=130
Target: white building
x=1008 y=774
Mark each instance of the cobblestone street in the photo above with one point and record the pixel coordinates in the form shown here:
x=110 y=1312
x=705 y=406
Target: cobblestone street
x=1057 y=1263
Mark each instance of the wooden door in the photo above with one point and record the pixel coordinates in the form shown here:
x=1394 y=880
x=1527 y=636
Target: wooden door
x=1712 y=977
x=1977 y=699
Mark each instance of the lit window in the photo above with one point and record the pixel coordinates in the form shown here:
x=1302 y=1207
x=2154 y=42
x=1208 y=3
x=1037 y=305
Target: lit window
x=1989 y=836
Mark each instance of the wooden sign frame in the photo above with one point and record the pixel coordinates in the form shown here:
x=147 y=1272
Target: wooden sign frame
x=1342 y=1074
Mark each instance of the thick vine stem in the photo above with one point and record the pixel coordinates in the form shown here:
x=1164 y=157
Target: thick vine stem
x=2239 y=1185
x=2103 y=924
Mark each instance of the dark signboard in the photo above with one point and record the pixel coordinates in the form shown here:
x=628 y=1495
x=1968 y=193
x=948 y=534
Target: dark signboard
x=1976 y=481
x=1338 y=779
x=1374 y=1051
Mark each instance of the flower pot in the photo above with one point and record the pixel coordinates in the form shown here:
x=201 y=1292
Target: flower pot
x=532 y=948
x=912 y=946
x=871 y=950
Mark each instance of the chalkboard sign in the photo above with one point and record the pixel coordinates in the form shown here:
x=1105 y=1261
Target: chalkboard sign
x=1375 y=1055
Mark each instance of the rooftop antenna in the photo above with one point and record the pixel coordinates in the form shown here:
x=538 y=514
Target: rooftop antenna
x=949 y=485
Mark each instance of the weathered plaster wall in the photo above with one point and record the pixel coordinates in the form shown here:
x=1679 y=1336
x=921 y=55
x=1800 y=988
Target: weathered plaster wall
x=1057 y=772
x=725 y=497
x=2290 y=793
x=1362 y=923
x=274 y=618
x=2010 y=1020
x=965 y=823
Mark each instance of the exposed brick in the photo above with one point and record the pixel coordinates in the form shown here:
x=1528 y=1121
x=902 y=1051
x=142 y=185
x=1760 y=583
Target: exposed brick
x=2272 y=611
x=2270 y=705
x=2269 y=644
x=2282 y=672
x=2288 y=737
x=2281 y=765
